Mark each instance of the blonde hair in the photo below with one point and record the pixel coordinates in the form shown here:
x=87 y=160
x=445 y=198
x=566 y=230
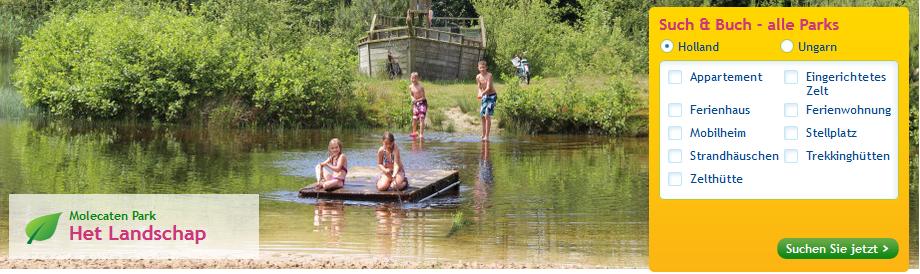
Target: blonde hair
x=413 y=74
x=336 y=142
x=483 y=63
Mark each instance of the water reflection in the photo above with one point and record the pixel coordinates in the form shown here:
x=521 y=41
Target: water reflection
x=390 y=218
x=483 y=184
x=329 y=217
x=418 y=144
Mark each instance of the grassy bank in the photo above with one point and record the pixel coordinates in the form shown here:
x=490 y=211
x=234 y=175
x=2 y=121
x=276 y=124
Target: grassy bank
x=386 y=103
x=616 y=107
x=552 y=105
x=390 y=102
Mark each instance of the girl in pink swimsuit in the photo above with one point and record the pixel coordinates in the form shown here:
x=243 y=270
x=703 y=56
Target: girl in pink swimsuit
x=337 y=165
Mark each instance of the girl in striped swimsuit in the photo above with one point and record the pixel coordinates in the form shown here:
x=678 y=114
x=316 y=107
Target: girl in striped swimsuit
x=393 y=175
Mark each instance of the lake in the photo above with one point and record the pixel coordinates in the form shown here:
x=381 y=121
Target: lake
x=563 y=199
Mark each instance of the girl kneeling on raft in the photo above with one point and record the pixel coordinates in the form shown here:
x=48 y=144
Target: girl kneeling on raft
x=337 y=166
x=392 y=176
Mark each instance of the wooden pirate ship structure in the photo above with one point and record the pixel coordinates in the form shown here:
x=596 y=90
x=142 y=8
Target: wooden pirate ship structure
x=438 y=48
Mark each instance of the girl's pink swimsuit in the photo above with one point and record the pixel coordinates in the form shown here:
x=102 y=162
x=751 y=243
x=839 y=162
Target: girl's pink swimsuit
x=344 y=172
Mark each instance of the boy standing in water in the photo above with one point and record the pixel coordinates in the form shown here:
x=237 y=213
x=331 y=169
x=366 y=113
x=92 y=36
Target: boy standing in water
x=488 y=96
x=419 y=105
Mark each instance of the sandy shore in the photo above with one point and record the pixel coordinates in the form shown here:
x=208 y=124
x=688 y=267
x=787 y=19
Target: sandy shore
x=468 y=123
x=281 y=262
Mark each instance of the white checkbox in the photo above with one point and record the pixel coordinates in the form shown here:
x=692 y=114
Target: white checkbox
x=791 y=133
x=791 y=156
x=674 y=110
x=674 y=133
x=792 y=77
x=674 y=156
x=791 y=110
x=674 y=178
x=674 y=77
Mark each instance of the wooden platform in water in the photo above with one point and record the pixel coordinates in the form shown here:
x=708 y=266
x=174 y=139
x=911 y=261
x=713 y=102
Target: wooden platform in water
x=361 y=185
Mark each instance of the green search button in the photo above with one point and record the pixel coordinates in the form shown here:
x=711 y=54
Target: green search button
x=837 y=248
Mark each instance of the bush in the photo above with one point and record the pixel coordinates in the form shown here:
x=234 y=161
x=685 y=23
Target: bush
x=265 y=26
x=603 y=44
x=149 y=62
x=537 y=110
x=387 y=103
x=609 y=36
x=309 y=85
x=111 y=63
x=352 y=20
x=513 y=28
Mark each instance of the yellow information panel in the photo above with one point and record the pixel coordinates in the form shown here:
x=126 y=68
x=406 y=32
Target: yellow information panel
x=779 y=139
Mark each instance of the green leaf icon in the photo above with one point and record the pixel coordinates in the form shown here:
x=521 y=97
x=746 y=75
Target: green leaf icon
x=42 y=227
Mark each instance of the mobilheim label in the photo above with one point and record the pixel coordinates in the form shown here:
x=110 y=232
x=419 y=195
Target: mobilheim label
x=129 y=226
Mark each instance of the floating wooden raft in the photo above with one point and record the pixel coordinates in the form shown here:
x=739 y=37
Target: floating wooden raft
x=361 y=185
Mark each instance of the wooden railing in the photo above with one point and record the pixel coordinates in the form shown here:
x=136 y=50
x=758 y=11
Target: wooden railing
x=443 y=36
x=458 y=21
x=388 y=33
x=423 y=33
x=390 y=21
x=394 y=21
x=471 y=31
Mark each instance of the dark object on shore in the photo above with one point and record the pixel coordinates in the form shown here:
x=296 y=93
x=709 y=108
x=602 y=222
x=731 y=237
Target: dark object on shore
x=361 y=185
x=393 y=69
x=523 y=68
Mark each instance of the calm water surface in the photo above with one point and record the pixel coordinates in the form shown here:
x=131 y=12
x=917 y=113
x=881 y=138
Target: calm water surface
x=539 y=199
